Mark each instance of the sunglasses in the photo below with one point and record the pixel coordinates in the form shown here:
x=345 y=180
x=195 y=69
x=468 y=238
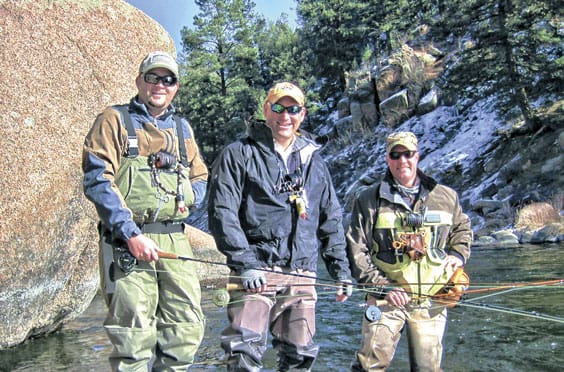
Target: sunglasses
x=167 y=80
x=292 y=110
x=395 y=155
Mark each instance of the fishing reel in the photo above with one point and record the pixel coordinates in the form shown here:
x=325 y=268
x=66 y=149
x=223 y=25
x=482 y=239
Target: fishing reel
x=414 y=220
x=221 y=297
x=373 y=313
x=125 y=260
x=162 y=160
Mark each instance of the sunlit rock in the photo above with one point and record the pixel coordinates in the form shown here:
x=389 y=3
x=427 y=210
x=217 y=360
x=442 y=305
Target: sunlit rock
x=62 y=62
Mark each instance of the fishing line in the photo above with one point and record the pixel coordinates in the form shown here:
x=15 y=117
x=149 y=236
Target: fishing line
x=502 y=309
x=505 y=291
x=498 y=286
x=379 y=289
x=184 y=258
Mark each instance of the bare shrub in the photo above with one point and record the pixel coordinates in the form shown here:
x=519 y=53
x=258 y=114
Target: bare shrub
x=536 y=215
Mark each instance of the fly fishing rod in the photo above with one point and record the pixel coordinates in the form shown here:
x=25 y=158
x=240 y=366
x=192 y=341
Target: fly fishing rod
x=221 y=296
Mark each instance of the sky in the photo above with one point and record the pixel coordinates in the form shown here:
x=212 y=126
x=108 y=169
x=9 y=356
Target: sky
x=173 y=15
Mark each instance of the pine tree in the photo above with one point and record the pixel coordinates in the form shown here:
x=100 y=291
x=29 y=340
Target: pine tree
x=221 y=88
x=335 y=35
x=511 y=50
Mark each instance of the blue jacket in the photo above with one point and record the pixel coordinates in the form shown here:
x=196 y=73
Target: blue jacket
x=252 y=219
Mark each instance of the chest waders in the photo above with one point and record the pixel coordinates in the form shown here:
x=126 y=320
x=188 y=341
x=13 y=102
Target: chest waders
x=418 y=244
x=156 y=189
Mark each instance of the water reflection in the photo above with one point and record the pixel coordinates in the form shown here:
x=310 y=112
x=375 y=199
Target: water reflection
x=477 y=339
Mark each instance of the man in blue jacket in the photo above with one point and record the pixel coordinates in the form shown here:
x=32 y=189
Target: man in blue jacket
x=272 y=209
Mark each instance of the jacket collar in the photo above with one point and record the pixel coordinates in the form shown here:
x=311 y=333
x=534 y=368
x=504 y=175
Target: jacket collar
x=141 y=108
x=260 y=133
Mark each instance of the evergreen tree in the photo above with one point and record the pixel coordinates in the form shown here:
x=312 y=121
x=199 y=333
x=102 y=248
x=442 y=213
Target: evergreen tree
x=335 y=36
x=280 y=53
x=222 y=85
x=512 y=49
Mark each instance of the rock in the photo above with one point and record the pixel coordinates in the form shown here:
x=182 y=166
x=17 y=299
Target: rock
x=505 y=238
x=428 y=103
x=485 y=240
x=525 y=236
x=364 y=93
x=343 y=108
x=62 y=63
x=486 y=206
x=552 y=233
x=395 y=108
x=212 y=268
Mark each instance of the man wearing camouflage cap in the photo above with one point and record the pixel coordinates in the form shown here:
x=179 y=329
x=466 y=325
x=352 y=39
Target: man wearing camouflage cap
x=409 y=235
x=272 y=209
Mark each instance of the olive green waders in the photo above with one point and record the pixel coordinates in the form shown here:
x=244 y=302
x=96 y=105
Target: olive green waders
x=425 y=326
x=154 y=312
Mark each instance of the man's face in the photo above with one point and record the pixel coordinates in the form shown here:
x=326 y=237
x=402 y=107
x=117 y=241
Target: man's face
x=285 y=124
x=155 y=92
x=403 y=165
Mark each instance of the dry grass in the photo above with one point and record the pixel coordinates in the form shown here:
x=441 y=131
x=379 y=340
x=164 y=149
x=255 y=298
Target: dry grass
x=536 y=215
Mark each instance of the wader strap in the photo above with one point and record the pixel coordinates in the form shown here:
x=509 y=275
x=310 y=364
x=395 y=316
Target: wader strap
x=132 y=148
x=181 y=143
x=163 y=227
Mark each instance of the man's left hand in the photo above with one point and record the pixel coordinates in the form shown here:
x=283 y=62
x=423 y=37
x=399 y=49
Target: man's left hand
x=453 y=263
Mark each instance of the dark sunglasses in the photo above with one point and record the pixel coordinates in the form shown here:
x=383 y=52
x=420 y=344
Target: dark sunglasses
x=167 y=80
x=292 y=110
x=395 y=155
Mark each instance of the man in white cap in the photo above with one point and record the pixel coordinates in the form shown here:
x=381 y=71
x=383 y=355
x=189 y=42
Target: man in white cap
x=272 y=210
x=408 y=233
x=143 y=171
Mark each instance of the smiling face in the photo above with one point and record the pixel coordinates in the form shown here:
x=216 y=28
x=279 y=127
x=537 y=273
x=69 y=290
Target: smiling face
x=283 y=125
x=404 y=169
x=157 y=97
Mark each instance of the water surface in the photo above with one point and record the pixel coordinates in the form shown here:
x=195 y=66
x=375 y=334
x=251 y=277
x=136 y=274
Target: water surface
x=477 y=339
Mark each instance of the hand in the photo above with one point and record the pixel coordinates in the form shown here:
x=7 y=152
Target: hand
x=143 y=248
x=453 y=263
x=344 y=290
x=397 y=297
x=253 y=280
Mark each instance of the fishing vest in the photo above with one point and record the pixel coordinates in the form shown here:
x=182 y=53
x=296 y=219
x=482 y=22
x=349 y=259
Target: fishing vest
x=156 y=188
x=415 y=250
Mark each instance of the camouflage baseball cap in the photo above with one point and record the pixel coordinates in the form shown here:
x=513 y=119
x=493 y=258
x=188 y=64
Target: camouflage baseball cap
x=406 y=139
x=156 y=60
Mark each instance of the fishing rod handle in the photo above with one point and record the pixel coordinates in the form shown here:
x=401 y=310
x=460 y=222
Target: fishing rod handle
x=162 y=254
x=234 y=286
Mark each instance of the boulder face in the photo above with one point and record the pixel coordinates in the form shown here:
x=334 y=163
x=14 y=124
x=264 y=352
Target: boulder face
x=61 y=63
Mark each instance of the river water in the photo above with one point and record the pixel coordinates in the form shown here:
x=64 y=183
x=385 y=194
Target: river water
x=477 y=339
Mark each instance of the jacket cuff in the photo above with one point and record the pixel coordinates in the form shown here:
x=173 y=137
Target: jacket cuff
x=454 y=253
x=199 y=188
x=128 y=230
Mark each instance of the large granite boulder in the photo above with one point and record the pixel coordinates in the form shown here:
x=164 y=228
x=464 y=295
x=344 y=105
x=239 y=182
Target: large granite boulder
x=61 y=63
